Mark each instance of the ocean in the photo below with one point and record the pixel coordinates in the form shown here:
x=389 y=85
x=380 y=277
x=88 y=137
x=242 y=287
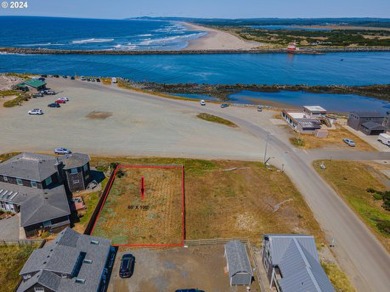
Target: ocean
x=358 y=68
x=94 y=34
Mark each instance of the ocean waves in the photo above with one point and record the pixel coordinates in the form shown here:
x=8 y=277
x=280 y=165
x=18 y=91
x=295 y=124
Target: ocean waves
x=92 y=40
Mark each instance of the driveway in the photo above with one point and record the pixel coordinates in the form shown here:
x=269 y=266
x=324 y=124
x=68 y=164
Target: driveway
x=9 y=228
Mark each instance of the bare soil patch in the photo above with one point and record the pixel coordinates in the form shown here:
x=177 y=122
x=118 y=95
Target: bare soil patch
x=97 y=115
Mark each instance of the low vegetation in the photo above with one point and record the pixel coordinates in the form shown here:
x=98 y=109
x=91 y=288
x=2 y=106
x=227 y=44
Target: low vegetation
x=19 y=97
x=337 y=277
x=106 y=81
x=226 y=199
x=354 y=182
x=12 y=259
x=335 y=138
x=216 y=119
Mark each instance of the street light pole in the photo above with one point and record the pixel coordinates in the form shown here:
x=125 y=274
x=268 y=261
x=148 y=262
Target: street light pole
x=266 y=148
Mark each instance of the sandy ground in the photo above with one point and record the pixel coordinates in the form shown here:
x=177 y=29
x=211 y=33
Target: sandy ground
x=218 y=40
x=6 y=82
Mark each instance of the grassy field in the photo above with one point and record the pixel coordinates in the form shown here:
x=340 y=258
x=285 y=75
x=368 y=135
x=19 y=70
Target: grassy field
x=215 y=119
x=155 y=218
x=335 y=138
x=337 y=277
x=351 y=180
x=12 y=259
x=236 y=199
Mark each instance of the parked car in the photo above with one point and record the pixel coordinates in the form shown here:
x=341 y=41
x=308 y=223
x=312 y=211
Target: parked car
x=60 y=101
x=53 y=104
x=224 y=105
x=202 y=102
x=72 y=78
x=349 y=142
x=44 y=75
x=64 y=76
x=61 y=150
x=41 y=78
x=384 y=139
x=64 y=98
x=189 y=290
x=259 y=108
x=35 y=95
x=56 y=76
x=127 y=266
x=35 y=111
x=82 y=78
x=97 y=80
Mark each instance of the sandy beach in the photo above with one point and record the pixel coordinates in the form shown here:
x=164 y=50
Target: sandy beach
x=218 y=40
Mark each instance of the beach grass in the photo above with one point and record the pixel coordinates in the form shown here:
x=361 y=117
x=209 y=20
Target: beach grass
x=337 y=277
x=351 y=180
x=216 y=119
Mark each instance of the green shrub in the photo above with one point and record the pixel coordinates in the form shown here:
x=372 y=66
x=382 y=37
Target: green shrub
x=384 y=226
x=377 y=196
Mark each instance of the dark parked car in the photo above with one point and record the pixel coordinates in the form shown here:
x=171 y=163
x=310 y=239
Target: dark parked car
x=44 y=75
x=97 y=80
x=72 y=78
x=224 y=105
x=189 y=290
x=56 y=76
x=54 y=104
x=127 y=266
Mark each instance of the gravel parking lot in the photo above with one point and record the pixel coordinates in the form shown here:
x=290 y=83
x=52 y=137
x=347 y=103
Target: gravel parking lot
x=199 y=267
x=105 y=120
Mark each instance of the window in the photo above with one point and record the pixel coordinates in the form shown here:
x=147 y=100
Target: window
x=33 y=184
x=39 y=289
x=96 y=242
x=85 y=167
x=48 y=181
x=76 y=181
x=19 y=181
x=5 y=178
x=73 y=170
x=80 y=281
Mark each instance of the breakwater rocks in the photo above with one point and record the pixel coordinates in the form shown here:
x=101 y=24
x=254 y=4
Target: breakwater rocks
x=38 y=51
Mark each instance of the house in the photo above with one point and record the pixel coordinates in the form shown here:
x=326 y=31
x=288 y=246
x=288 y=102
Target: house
x=292 y=264
x=72 y=262
x=314 y=111
x=38 y=186
x=32 y=83
x=356 y=119
x=299 y=122
x=238 y=265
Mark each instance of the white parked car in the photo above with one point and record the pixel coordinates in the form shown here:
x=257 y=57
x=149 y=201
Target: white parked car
x=35 y=111
x=202 y=102
x=64 y=98
x=349 y=142
x=62 y=150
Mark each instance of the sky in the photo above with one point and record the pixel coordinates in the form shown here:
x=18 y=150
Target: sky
x=117 y=9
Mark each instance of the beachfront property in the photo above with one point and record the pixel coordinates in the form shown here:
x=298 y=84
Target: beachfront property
x=39 y=187
x=72 y=262
x=292 y=264
x=370 y=123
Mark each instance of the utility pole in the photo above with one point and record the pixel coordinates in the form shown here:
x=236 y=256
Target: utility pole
x=266 y=148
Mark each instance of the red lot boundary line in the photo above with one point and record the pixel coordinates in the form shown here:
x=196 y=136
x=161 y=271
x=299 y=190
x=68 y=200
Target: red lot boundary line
x=183 y=231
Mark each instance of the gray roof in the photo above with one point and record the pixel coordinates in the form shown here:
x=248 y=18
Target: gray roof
x=373 y=126
x=61 y=256
x=46 y=205
x=74 y=160
x=29 y=166
x=369 y=114
x=297 y=258
x=237 y=258
x=15 y=193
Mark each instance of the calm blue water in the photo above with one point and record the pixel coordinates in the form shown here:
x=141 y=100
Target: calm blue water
x=290 y=27
x=196 y=96
x=94 y=34
x=355 y=69
x=331 y=102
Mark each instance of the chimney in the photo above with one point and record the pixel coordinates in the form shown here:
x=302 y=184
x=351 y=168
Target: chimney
x=60 y=173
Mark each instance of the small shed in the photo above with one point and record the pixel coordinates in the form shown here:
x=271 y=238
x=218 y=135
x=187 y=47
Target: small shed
x=238 y=265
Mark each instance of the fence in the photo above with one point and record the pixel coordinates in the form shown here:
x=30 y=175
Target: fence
x=22 y=242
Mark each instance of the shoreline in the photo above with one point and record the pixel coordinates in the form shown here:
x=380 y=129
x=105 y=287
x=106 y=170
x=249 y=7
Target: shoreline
x=217 y=40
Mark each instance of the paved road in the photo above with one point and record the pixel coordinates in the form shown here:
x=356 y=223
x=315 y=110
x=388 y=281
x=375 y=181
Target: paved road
x=9 y=228
x=360 y=254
